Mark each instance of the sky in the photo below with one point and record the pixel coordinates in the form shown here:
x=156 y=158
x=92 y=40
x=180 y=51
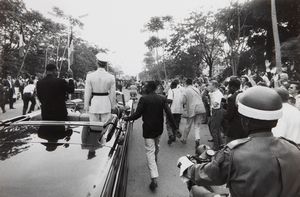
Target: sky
x=117 y=24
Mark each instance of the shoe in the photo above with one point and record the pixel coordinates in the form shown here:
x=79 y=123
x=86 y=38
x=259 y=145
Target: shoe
x=183 y=141
x=197 y=143
x=153 y=186
x=12 y=108
x=178 y=134
x=4 y=111
x=171 y=139
x=210 y=140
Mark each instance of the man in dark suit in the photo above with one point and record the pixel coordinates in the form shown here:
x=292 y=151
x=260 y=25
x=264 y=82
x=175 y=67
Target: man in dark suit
x=8 y=82
x=52 y=93
x=151 y=107
x=234 y=129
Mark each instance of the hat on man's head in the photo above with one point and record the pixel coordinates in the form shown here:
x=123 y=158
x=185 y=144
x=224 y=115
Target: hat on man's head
x=51 y=67
x=102 y=59
x=101 y=63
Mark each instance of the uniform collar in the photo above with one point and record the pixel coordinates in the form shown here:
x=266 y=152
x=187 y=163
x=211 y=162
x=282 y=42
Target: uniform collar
x=101 y=69
x=262 y=134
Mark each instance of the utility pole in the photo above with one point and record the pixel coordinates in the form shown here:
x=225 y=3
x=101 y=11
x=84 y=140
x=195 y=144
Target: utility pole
x=276 y=37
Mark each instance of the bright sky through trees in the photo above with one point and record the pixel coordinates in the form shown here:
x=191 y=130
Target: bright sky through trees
x=117 y=24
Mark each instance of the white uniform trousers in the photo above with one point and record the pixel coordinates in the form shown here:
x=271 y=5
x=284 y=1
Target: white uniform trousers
x=152 y=149
x=99 y=118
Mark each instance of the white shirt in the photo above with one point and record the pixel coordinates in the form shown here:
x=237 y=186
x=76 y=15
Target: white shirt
x=29 y=89
x=297 y=104
x=288 y=125
x=177 y=100
x=100 y=81
x=215 y=99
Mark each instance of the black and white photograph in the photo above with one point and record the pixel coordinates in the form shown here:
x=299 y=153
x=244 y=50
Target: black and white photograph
x=160 y=98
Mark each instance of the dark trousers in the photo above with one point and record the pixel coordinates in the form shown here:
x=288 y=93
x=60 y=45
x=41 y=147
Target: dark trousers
x=10 y=98
x=26 y=98
x=2 y=105
x=177 y=118
x=215 y=127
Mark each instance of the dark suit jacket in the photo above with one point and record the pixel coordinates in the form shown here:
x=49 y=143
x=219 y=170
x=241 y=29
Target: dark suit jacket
x=151 y=107
x=232 y=117
x=52 y=92
x=10 y=87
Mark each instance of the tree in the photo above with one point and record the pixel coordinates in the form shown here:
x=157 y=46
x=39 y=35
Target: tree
x=198 y=33
x=37 y=31
x=155 y=25
x=232 y=24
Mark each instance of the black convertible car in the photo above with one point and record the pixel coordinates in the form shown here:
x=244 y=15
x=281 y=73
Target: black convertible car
x=64 y=158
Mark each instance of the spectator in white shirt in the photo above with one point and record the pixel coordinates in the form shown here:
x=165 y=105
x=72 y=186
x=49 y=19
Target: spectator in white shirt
x=288 y=125
x=29 y=95
x=215 y=123
x=294 y=90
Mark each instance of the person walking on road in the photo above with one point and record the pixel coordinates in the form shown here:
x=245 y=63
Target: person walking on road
x=52 y=93
x=215 y=122
x=8 y=82
x=151 y=107
x=29 y=95
x=2 y=97
x=175 y=98
x=194 y=111
x=100 y=93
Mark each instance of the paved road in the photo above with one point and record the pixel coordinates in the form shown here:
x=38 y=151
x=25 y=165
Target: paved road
x=12 y=112
x=169 y=182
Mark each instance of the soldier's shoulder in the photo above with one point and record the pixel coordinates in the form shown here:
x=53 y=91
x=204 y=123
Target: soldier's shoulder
x=290 y=142
x=111 y=75
x=238 y=142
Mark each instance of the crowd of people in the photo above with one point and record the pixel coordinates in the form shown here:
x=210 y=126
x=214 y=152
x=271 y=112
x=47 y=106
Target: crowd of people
x=207 y=101
x=13 y=89
x=230 y=111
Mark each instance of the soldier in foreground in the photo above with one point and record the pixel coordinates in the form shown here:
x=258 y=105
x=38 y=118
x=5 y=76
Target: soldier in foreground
x=259 y=165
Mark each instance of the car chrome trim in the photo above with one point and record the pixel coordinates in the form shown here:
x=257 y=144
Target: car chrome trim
x=43 y=122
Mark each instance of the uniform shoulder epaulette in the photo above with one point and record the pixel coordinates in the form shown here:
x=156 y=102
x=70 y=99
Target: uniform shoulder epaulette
x=290 y=141
x=235 y=143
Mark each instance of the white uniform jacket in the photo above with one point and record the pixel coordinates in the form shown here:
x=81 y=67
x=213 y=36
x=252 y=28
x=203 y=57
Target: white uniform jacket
x=100 y=81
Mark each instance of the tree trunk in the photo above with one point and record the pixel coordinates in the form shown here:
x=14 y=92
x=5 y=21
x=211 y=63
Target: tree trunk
x=157 y=63
x=276 y=37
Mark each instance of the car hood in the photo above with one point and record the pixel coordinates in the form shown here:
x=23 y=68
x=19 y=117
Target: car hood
x=34 y=163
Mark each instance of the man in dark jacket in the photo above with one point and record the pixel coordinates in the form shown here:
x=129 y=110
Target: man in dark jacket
x=8 y=82
x=52 y=93
x=151 y=107
x=234 y=129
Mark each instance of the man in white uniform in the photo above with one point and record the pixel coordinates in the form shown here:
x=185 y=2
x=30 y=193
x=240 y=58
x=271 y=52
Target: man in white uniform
x=100 y=93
